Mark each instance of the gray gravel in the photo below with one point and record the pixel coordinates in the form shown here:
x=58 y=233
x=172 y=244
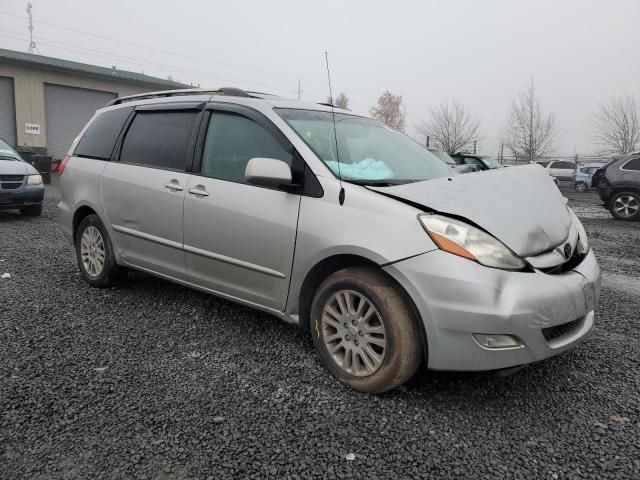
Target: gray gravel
x=152 y=380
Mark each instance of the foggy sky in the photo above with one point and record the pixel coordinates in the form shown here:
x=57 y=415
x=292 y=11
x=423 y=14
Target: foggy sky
x=482 y=52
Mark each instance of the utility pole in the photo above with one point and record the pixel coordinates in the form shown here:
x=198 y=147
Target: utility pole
x=428 y=139
x=474 y=146
x=502 y=153
x=32 y=44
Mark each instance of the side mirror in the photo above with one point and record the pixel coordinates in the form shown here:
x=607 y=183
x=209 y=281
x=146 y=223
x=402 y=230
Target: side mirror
x=268 y=172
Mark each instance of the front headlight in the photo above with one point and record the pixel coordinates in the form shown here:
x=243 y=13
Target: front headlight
x=583 y=241
x=34 y=180
x=462 y=239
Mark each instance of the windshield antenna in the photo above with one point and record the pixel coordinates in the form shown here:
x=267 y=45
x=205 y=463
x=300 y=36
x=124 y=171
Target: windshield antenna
x=335 y=132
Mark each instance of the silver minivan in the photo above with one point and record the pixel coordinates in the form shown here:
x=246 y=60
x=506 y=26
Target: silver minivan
x=333 y=222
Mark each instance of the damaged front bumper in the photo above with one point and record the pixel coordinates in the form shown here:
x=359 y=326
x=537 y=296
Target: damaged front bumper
x=457 y=298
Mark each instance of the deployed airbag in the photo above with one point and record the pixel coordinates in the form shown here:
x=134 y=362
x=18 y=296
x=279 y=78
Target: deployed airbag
x=367 y=169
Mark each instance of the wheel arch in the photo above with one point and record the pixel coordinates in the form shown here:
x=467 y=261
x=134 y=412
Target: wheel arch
x=627 y=187
x=318 y=273
x=329 y=265
x=80 y=214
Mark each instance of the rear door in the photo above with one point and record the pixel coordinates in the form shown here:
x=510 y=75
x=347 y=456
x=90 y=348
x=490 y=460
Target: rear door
x=143 y=191
x=239 y=239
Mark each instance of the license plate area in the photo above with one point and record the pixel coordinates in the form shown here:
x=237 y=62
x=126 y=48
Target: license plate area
x=5 y=198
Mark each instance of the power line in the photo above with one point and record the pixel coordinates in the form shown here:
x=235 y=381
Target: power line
x=143 y=63
x=159 y=50
x=318 y=92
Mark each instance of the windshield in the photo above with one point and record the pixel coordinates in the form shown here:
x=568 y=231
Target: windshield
x=491 y=162
x=8 y=153
x=369 y=151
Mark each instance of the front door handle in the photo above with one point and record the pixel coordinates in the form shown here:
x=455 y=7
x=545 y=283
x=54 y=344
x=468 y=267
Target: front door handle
x=199 y=191
x=174 y=186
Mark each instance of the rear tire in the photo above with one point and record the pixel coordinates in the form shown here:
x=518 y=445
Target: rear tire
x=32 y=210
x=365 y=330
x=625 y=206
x=94 y=253
x=580 y=187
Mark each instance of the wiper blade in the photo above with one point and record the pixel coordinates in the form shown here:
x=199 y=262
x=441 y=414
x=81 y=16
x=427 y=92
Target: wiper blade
x=9 y=157
x=371 y=183
x=379 y=183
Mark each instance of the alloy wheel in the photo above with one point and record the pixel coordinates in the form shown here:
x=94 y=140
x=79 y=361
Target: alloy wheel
x=92 y=251
x=353 y=333
x=626 y=206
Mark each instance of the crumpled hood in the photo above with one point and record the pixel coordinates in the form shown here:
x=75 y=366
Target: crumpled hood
x=521 y=206
x=16 y=167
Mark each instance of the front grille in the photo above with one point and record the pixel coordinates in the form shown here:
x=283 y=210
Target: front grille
x=552 y=333
x=573 y=262
x=11 y=182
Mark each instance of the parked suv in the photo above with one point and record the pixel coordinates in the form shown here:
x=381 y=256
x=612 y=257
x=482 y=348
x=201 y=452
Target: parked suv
x=20 y=184
x=333 y=222
x=618 y=184
x=478 y=162
x=446 y=158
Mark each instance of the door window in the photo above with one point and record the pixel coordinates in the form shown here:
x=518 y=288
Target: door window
x=632 y=165
x=231 y=141
x=159 y=139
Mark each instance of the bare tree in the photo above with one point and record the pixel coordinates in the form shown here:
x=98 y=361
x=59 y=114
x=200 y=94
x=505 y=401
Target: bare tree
x=342 y=101
x=390 y=111
x=450 y=128
x=617 y=126
x=530 y=134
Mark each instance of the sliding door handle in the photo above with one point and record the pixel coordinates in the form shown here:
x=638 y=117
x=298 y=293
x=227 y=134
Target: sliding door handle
x=198 y=192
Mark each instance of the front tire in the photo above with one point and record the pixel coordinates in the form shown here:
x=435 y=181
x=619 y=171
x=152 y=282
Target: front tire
x=94 y=253
x=580 y=187
x=365 y=331
x=625 y=206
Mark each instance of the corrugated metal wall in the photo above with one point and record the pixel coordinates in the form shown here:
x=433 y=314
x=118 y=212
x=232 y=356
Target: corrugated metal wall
x=67 y=110
x=7 y=111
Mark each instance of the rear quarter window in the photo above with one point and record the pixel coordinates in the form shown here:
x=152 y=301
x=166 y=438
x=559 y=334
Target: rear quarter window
x=101 y=135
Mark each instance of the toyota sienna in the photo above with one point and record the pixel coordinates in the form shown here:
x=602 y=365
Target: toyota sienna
x=333 y=222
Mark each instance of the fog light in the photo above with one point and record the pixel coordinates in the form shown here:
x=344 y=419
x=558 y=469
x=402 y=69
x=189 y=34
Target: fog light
x=496 y=341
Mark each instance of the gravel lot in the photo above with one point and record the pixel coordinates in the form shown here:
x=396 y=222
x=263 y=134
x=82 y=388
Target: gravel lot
x=152 y=380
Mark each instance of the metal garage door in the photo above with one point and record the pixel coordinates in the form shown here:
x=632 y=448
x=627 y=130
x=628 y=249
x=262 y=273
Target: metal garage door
x=67 y=110
x=7 y=111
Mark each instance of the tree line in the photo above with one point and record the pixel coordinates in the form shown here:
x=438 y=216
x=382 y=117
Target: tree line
x=529 y=132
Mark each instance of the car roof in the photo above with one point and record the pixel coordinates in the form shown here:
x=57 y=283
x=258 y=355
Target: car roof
x=229 y=95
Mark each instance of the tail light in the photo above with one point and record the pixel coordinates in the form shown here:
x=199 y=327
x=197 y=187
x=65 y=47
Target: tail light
x=63 y=164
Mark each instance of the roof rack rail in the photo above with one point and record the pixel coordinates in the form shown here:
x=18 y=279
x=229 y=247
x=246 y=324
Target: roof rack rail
x=229 y=91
